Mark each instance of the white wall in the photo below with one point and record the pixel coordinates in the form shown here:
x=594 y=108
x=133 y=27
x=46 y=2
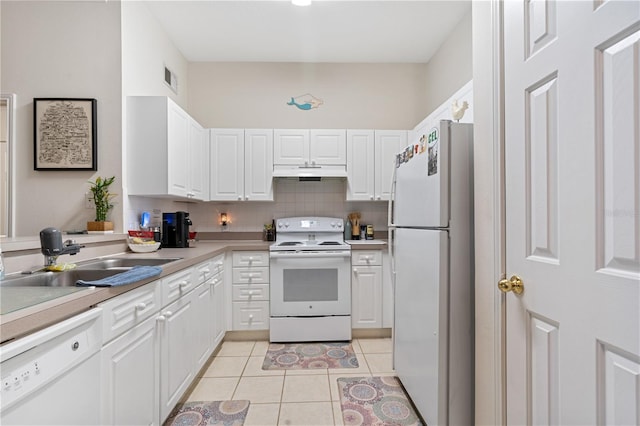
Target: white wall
x=449 y=69
x=255 y=95
x=62 y=49
x=146 y=50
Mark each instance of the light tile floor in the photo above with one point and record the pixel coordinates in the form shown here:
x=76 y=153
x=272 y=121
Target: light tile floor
x=286 y=397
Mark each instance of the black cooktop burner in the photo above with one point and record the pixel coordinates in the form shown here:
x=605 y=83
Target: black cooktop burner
x=330 y=243
x=290 y=243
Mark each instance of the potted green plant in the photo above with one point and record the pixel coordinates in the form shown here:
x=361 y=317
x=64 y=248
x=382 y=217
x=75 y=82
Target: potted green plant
x=102 y=199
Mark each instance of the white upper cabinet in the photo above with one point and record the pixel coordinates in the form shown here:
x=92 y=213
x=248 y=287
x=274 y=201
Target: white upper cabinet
x=227 y=165
x=309 y=147
x=328 y=147
x=241 y=165
x=164 y=150
x=290 y=147
x=370 y=162
x=199 y=161
x=360 y=165
x=388 y=144
x=258 y=164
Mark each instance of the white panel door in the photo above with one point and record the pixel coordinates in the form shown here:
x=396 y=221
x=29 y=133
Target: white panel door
x=198 y=162
x=177 y=360
x=290 y=146
x=388 y=144
x=328 y=147
x=130 y=377
x=572 y=155
x=177 y=141
x=366 y=297
x=360 y=165
x=258 y=165
x=227 y=165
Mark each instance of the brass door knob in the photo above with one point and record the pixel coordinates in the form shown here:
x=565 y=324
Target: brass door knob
x=514 y=284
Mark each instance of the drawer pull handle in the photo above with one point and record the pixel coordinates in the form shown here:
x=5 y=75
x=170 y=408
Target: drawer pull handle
x=161 y=318
x=141 y=306
x=250 y=293
x=206 y=271
x=168 y=314
x=183 y=284
x=250 y=317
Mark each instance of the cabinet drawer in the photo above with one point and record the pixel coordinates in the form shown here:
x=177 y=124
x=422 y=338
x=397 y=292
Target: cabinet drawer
x=203 y=271
x=250 y=316
x=250 y=258
x=207 y=269
x=366 y=257
x=125 y=311
x=218 y=264
x=177 y=285
x=250 y=275
x=250 y=292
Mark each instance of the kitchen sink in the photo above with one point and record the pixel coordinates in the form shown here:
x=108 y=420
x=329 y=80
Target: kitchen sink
x=124 y=263
x=56 y=279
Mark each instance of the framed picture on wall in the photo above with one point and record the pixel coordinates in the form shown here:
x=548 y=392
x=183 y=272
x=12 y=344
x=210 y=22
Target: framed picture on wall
x=65 y=134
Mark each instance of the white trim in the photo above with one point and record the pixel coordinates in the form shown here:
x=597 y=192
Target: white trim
x=489 y=212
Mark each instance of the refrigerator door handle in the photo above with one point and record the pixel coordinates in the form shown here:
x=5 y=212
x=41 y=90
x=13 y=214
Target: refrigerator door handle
x=392 y=198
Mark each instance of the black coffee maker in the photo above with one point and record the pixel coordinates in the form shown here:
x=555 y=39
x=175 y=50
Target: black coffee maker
x=175 y=229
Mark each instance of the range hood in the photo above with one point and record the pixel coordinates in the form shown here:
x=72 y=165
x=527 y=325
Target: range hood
x=305 y=172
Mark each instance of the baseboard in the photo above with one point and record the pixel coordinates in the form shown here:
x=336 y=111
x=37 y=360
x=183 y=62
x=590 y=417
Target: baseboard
x=370 y=333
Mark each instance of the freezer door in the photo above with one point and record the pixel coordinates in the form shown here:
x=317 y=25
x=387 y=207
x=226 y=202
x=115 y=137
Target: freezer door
x=420 y=329
x=422 y=181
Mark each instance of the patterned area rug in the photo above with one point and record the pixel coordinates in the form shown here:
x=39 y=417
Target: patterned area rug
x=201 y=413
x=375 y=401
x=285 y=356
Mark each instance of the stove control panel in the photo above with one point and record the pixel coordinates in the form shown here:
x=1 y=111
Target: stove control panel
x=308 y=224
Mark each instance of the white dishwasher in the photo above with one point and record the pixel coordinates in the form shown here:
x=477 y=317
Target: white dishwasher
x=52 y=377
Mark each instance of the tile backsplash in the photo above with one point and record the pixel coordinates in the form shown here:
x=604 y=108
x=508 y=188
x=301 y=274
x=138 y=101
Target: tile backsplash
x=291 y=198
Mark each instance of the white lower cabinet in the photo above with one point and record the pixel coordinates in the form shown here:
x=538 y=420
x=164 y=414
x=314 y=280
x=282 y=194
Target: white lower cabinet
x=130 y=377
x=177 y=358
x=366 y=289
x=250 y=290
x=153 y=350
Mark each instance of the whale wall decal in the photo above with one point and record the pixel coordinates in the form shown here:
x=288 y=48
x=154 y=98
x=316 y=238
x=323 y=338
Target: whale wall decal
x=305 y=102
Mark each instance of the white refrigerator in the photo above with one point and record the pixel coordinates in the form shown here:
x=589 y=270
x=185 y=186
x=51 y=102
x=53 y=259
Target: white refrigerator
x=431 y=240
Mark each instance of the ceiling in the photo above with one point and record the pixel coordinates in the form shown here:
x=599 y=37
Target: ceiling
x=362 y=31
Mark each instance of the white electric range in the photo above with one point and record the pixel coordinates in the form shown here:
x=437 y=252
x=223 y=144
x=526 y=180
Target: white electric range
x=310 y=281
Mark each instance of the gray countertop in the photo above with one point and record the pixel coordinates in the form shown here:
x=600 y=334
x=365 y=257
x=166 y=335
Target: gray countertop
x=50 y=305
x=49 y=308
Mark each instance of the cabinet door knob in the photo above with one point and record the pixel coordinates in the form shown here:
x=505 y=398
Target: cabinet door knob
x=167 y=314
x=183 y=284
x=239 y=197
x=246 y=198
x=250 y=317
x=141 y=306
x=355 y=271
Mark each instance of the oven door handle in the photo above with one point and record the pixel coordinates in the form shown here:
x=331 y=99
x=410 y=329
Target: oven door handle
x=312 y=254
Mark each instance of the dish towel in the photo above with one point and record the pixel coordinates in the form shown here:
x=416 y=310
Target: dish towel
x=135 y=274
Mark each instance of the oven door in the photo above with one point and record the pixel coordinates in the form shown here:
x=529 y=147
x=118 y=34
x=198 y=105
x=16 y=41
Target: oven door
x=310 y=283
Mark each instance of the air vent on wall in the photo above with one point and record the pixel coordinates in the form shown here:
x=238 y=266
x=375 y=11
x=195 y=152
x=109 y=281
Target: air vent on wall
x=171 y=79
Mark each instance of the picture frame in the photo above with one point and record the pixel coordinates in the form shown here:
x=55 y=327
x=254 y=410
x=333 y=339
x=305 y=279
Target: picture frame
x=65 y=134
